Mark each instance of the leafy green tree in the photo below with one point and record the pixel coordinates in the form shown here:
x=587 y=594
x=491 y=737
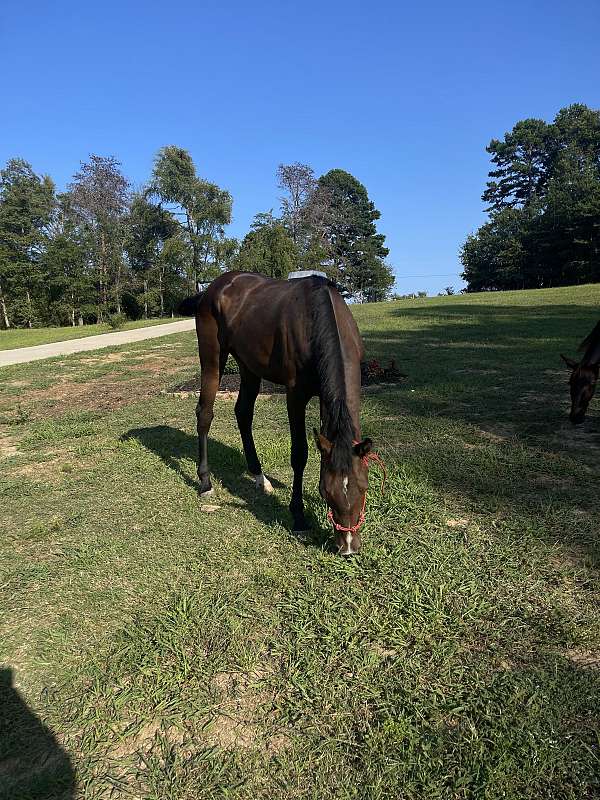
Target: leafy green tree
x=495 y=257
x=70 y=280
x=544 y=203
x=99 y=195
x=201 y=209
x=26 y=203
x=148 y=228
x=299 y=185
x=348 y=234
x=267 y=248
x=521 y=165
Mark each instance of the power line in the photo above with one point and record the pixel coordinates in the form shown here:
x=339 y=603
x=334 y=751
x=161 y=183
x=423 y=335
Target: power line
x=432 y=275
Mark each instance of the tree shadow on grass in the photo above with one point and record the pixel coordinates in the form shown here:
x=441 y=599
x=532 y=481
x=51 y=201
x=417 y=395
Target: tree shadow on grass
x=497 y=367
x=496 y=372
x=228 y=465
x=33 y=765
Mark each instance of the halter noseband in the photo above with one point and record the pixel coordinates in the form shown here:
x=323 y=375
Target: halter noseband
x=361 y=517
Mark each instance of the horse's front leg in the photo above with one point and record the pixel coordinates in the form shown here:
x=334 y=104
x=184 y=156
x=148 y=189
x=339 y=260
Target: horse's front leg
x=244 y=413
x=296 y=406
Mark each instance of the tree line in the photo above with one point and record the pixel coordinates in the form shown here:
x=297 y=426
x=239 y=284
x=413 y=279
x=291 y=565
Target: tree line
x=100 y=249
x=543 y=197
x=328 y=224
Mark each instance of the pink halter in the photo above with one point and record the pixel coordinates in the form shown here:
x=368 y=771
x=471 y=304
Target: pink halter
x=361 y=517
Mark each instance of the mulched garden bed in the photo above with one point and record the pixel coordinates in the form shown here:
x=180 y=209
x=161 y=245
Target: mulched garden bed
x=372 y=374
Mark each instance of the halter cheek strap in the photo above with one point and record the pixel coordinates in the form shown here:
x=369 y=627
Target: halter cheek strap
x=361 y=517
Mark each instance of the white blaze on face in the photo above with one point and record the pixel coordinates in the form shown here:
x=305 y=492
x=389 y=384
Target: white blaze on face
x=345 y=485
x=347 y=550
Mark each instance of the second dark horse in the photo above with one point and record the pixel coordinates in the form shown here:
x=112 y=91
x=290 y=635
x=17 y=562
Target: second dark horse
x=299 y=334
x=584 y=375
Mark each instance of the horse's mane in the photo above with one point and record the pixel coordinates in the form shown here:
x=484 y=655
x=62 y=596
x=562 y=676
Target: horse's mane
x=591 y=346
x=329 y=362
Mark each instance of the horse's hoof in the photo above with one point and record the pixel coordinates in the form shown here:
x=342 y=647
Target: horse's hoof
x=263 y=483
x=301 y=527
x=207 y=492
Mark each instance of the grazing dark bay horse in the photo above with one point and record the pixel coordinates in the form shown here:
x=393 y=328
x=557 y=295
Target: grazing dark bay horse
x=299 y=334
x=584 y=375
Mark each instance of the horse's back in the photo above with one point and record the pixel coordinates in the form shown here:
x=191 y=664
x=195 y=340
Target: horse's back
x=267 y=324
x=263 y=322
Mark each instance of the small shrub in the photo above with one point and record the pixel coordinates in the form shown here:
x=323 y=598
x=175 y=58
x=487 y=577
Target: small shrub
x=231 y=367
x=116 y=321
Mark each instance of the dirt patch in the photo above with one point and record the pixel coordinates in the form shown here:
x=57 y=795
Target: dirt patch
x=533 y=397
x=457 y=523
x=472 y=371
x=552 y=482
x=157 y=366
x=7 y=447
x=95 y=394
x=230 y=386
x=385 y=653
x=498 y=435
x=108 y=358
x=574 y=560
x=237 y=724
x=584 y=659
x=51 y=470
x=140 y=740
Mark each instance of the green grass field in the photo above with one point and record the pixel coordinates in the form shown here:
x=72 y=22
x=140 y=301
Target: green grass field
x=23 y=337
x=178 y=653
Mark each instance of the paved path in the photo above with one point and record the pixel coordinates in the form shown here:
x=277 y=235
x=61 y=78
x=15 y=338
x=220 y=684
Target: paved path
x=23 y=354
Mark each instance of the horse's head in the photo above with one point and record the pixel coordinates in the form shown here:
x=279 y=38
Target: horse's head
x=345 y=491
x=583 y=384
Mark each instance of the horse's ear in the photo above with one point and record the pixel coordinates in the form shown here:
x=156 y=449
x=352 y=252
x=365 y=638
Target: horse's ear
x=569 y=362
x=363 y=448
x=323 y=444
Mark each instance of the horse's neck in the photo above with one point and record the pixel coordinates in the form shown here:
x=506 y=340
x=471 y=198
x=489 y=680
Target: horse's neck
x=592 y=354
x=351 y=398
x=339 y=376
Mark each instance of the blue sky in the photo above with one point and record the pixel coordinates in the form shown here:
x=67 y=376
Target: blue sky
x=405 y=96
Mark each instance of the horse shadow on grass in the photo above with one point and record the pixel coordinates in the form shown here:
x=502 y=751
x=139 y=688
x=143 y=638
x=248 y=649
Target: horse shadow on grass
x=227 y=464
x=33 y=765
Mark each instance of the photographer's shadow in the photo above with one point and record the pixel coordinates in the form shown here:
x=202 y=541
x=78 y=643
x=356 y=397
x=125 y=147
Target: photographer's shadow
x=33 y=765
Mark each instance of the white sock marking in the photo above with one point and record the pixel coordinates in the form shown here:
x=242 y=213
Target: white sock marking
x=262 y=482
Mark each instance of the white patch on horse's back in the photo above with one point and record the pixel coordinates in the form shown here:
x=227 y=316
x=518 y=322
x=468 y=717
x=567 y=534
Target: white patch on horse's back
x=263 y=483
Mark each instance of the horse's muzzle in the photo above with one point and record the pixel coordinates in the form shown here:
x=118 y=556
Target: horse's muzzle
x=348 y=543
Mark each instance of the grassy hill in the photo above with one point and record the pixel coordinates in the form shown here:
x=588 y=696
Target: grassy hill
x=184 y=650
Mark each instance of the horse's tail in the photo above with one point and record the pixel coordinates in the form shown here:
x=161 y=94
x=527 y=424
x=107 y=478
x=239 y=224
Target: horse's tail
x=189 y=306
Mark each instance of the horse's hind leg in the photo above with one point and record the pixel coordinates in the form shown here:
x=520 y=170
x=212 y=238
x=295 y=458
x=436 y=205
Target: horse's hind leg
x=244 y=413
x=296 y=406
x=212 y=363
